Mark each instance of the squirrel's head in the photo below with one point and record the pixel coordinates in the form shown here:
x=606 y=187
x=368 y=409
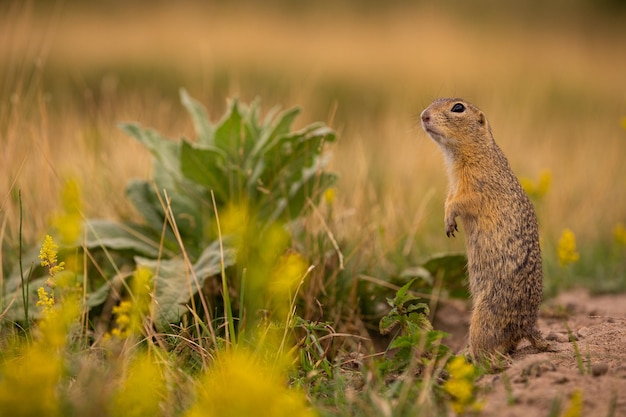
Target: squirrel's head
x=455 y=125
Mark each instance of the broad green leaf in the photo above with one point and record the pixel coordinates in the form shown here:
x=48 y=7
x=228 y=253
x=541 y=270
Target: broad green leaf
x=174 y=284
x=210 y=261
x=164 y=150
x=142 y=195
x=14 y=281
x=418 y=322
x=185 y=205
x=388 y=323
x=98 y=296
x=418 y=272
x=404 y=342
x=281 y=128
x=203 y=127
x=401 y=295
x=228 y=132
x=206 y=167
x=419 y=306
x=173 y=287
x=452 y=268
x=117 y=236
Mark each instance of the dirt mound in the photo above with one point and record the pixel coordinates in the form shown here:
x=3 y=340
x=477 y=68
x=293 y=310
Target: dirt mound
x=592 y=367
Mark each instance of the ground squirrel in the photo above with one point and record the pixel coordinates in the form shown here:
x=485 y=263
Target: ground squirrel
x=502 y=240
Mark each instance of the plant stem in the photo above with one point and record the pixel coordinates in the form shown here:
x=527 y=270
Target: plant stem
x=228 y=312
x=24 y=284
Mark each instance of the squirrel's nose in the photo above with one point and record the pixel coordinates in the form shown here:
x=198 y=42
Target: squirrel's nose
x=425 y=116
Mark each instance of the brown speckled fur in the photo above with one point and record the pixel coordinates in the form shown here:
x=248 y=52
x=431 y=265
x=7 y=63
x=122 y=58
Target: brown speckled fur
x=504 y=259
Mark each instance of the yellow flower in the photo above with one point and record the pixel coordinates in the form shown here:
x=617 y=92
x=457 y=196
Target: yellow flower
x=543 y=184
x=460 y=389
x=567 y=249
x=48 y=256
x=461 y=385
x=28 y=386
x=240 y=385
x=286 y=277
x=130 y=315
x=329 y=196
x=539 y=189
x=575 y=408
x=619 y=234
x=69 y=222
x=459 y=368
x=143 y=390
x=624 y=122
x=45 y=300
x=122 y=313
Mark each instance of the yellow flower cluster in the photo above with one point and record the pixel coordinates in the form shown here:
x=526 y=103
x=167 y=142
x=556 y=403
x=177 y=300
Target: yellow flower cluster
x=69 y=221
x=130 y=315
x=122 y=320
x=286 y=276
x=48 y=256
x=45 y=300
x=567 y=249
x=460 y=386
x=539 y=189
x=619 y=234
x=265 y=388
x=28 y=386
x=143 y=390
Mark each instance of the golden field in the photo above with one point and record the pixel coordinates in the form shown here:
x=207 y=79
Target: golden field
x=553 y=88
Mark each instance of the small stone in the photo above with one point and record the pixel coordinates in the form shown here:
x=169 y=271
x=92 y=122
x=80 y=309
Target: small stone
x=599 y=369
x=561 y=380
x=520 y=379
x=552 y=336
x=620 y=371
x=558 y=337
x=583 y=332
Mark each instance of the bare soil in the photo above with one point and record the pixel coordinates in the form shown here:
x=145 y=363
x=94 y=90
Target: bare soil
x=593 y=364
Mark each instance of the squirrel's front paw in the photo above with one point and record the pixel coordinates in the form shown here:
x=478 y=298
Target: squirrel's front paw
x=451 y=227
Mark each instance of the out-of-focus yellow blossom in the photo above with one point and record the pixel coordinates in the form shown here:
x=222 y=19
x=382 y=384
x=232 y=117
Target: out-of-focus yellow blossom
x=28 y=384
x=623 y=123
x=575 y=408
x=240 y=385
x=142 y=391
x=619 y=234
x=540 y=188
x=234 y=221
x=69 y=222
x=48 y=256
x=29 y=380
x=567 y=249
x=122 y=313
x=131 y=314
x=329 y=196
x=461 y=386
x=286 y=276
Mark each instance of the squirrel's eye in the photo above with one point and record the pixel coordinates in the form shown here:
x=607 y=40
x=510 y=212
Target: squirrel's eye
x=458 y=108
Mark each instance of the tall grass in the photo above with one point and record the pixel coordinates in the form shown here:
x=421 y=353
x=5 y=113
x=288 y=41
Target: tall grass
x=553 y=93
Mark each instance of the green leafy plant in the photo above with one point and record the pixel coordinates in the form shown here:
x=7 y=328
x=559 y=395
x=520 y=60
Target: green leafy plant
x=416 y=340
x=243 y=160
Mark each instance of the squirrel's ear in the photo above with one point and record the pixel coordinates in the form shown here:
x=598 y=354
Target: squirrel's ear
x=481 y=118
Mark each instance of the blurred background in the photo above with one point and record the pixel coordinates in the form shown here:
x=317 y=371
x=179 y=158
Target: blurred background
x=550 y=75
